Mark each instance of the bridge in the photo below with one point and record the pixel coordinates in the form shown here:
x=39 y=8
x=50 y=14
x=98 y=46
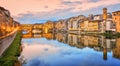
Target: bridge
x=27 y=27
x=38 y=28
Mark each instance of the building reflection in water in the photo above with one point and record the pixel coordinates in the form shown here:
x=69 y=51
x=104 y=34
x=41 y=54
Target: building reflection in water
x=116 y=50
x=98 y=43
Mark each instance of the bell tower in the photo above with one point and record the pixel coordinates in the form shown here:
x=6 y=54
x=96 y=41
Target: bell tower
x=104 y=13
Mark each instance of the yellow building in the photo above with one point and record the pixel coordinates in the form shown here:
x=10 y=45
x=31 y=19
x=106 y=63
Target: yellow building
x=48 y=26
x=116 y=19
x=90 y=26
x=93 y=26
x=81 y=26
x=86 y=23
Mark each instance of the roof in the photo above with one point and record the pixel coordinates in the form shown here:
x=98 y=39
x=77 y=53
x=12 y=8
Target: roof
x=95 y=20
x=116 y=11
x=98 y=15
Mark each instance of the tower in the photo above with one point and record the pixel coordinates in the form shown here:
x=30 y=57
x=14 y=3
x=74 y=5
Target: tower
x=104 y=13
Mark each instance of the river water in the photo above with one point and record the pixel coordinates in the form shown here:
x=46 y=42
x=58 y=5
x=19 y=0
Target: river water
x=69 y=50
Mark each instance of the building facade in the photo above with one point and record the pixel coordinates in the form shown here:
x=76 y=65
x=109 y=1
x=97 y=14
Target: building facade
x=72 y=24
x=48 y=27
x=61 y=25
x=97 y=17
x=89 y=25
x=7 y=24
x=110 y=25
x=116 y=19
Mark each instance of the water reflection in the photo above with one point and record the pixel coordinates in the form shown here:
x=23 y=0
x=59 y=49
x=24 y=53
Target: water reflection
x=62 y=49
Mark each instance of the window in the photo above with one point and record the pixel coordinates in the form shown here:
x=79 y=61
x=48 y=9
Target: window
x=114 y=14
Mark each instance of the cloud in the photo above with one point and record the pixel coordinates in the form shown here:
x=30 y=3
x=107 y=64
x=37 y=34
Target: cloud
x=46 y=6
x=67 y=2
x=40 y=17
x=83 y=5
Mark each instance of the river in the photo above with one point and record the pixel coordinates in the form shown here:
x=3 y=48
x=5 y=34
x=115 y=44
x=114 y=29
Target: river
x=69 y=50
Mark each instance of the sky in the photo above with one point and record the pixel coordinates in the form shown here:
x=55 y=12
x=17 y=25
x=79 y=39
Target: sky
x=39 y=11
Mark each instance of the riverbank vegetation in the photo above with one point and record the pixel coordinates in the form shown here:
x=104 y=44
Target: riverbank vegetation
x=111 y=35
x=9 y=58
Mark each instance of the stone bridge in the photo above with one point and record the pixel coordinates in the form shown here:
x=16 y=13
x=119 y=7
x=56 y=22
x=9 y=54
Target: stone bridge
x=38 y=28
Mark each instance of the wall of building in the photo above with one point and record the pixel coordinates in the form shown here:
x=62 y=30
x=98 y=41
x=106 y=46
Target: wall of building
x=7 y=24
x=116 y=19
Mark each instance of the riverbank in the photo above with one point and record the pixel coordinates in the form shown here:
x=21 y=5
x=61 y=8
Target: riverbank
x=111 y=35
x=107 y=34
x=9 y=58
x=7 y=41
